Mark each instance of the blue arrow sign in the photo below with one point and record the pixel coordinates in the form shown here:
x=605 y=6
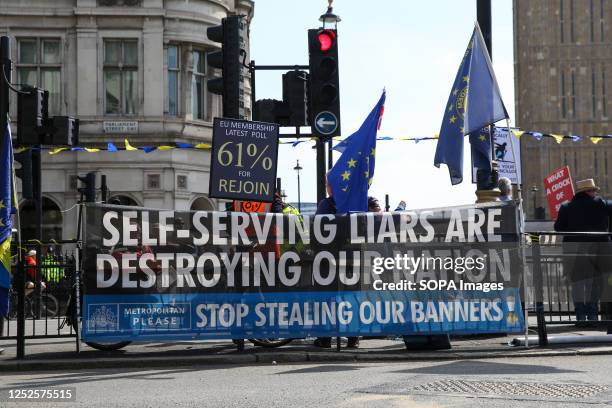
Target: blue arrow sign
x=326 y=123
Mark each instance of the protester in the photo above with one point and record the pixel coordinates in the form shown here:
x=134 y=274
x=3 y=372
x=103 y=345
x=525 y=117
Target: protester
x=401 y=206
x=30 y=261
x=505 y=187
x=373 y=205
x=328 y=206
x=588 y=262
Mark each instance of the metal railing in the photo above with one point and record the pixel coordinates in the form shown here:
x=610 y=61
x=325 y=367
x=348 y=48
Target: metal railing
x=46 y=280
x=551 y=291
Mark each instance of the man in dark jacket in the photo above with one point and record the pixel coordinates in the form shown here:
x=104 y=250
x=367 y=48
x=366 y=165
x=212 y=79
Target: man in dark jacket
x=587 y=258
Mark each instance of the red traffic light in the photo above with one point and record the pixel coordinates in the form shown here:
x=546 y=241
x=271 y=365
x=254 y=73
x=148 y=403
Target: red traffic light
x=326 y=40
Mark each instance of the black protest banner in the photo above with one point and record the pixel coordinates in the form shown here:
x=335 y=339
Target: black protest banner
x=284 y=276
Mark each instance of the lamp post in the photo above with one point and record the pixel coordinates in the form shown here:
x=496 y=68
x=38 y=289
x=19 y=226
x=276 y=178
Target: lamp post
x=534 y=190
x=297 y=168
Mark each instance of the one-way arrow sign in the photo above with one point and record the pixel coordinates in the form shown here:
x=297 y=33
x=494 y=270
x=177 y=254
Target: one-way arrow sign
x=326 y=123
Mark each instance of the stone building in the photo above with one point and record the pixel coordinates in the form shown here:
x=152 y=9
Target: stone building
x=132 y=69
x=563 y=85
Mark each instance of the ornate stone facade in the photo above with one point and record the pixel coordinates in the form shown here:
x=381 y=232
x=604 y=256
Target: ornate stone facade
x=127 y=69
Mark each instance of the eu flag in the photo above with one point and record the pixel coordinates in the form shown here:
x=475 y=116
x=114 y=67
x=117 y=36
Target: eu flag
x=480 y=142
x=351 y=176
x=6 y=206
x=474 y=102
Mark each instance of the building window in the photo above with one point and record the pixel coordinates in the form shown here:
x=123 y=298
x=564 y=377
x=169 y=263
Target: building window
x=153 y=181
x=561 y=20
x=181 y=182
x=604 y=102
x=563 y=99
x=592 y=25
x=573 y=93
x=173 y=80
x=120 y=76
x=606 y=169
x=601 y=19
x=571 y=16
x=198 y=86
x=576 y=161
x=593 y=97
x=113 y=3
x=39 y=64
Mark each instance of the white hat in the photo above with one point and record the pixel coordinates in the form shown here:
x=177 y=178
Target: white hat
x=32 y=252
x=586 y=185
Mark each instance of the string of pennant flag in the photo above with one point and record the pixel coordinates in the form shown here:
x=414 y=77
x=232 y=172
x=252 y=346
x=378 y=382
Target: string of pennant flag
x=113 y=148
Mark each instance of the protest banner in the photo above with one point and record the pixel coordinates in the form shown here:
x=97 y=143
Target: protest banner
x=243 y=160
x=559 y=189
x=167 y=275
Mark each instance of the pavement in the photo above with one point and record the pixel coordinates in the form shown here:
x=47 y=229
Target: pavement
x=537 y=382
x=60 y=353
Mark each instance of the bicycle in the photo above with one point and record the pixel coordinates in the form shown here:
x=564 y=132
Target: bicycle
x=49 y=305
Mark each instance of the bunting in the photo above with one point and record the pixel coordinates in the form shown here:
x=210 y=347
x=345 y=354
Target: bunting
x=112 y=148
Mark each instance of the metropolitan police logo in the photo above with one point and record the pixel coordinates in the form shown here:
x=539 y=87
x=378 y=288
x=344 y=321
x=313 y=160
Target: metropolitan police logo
x=102 y=318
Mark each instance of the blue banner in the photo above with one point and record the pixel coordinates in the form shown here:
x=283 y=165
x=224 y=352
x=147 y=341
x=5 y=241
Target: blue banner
x=297 y=315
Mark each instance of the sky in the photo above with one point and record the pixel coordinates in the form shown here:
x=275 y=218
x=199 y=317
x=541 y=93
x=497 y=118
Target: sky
x=410 y=48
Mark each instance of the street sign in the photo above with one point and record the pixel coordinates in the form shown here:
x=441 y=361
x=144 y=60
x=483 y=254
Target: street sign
x=326 y=123
x=243 y=160
x=559 y=190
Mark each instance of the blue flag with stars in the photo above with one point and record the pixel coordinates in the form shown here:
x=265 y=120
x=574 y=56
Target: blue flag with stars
x=6 y=206
x=351 y=176
x=474 y=102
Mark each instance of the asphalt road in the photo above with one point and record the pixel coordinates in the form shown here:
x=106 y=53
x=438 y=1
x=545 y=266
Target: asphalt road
x=518 y=382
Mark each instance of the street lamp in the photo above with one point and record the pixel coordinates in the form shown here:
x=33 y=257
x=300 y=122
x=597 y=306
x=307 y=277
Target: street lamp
x=297 y=168
x=534 y=190
x=329 y=19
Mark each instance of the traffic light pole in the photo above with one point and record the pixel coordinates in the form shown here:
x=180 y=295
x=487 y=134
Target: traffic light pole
x=322 y=165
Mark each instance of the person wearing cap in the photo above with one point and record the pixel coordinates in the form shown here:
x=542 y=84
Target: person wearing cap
x=587 y=259
x=30 y=261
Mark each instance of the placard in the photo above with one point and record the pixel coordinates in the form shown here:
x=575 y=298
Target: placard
x=559 y=189
x=243 y=160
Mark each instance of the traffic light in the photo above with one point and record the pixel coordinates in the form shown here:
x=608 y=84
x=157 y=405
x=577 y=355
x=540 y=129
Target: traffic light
x=64 y=130
x=89 y=187
x=271 y=111
x=32 y=110
x=295 y=96
x=324 y=102
x=230 y=60
x=24 y=158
